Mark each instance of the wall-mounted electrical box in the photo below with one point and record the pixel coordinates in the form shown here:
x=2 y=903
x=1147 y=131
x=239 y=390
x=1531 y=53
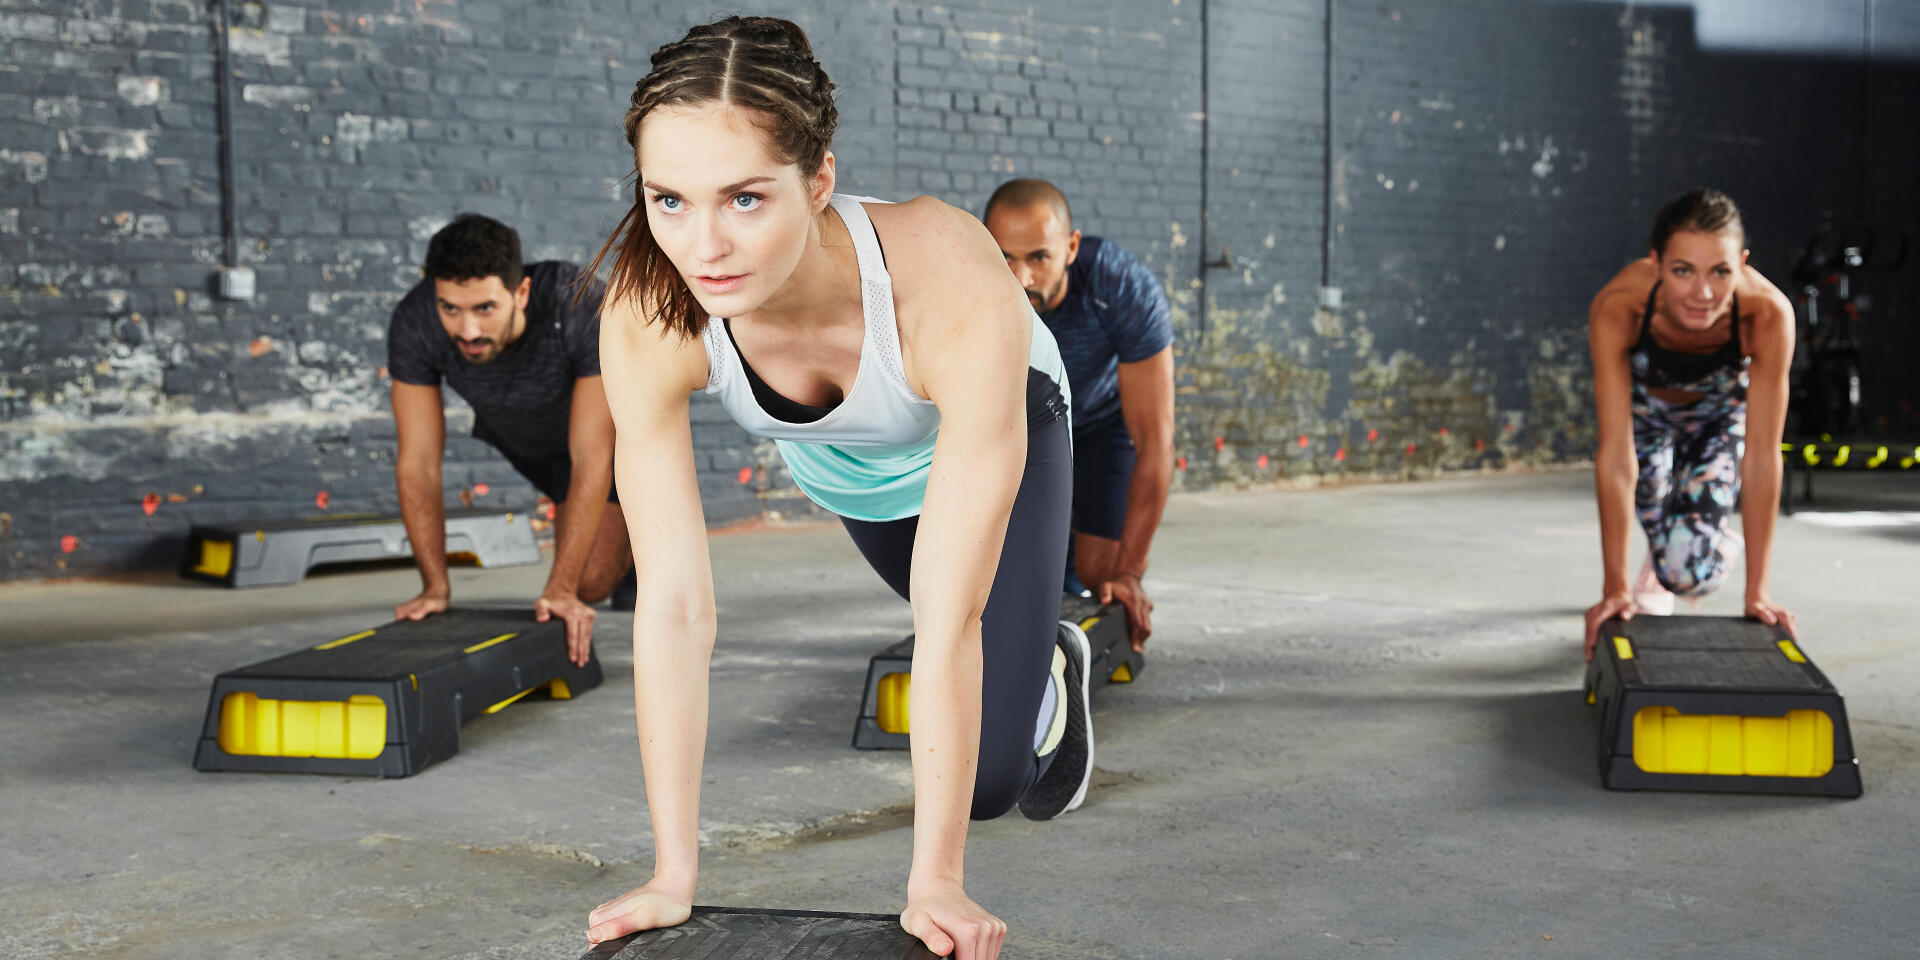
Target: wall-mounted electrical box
x=236 y=283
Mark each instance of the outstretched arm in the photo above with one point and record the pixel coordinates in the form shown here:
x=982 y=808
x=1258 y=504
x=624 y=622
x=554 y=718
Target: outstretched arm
x=1610 y=331
x=970 y=335
x=421 y=426
x=648 y=374
x=590 y=447
x=1771 y=345
x=1146 y=403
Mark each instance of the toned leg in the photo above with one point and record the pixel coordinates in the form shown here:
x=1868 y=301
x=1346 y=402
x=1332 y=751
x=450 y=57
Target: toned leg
x=1020 y=624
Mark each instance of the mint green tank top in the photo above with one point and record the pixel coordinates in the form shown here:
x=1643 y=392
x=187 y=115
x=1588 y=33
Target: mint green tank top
x=867 y=459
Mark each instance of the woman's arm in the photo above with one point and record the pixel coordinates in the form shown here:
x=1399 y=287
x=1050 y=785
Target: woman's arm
x=1610 y=333
x=648 y=374
x=969 y=331
x=1771 y=346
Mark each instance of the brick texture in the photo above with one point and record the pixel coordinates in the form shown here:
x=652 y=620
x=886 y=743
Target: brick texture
x=1491 y=164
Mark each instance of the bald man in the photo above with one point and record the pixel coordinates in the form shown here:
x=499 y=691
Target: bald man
x=1115 y=331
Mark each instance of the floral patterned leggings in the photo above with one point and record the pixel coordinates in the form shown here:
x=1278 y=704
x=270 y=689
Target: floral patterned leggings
x=1689 y=482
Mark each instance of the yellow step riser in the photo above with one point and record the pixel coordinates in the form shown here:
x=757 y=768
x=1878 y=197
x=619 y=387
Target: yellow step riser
x=1799 y=744
x=355 y=728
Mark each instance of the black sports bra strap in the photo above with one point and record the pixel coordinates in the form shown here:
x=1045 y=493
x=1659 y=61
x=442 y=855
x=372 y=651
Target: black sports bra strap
x=1646 y=318
x=1738 y=351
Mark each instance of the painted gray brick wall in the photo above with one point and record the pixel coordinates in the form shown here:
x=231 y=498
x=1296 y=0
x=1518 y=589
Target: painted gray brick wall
x=1490 y=164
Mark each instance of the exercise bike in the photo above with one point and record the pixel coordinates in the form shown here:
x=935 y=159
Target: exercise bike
x=1824 y=382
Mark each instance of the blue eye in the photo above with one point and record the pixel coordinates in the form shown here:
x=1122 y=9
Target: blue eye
x=667 y=204
x=746 y=201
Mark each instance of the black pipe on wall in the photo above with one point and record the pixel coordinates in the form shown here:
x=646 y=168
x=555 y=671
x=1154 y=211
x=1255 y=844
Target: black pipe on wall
x=229 y=233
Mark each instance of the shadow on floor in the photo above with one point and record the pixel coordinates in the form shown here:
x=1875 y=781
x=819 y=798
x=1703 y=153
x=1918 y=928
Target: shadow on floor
x=1551 y=738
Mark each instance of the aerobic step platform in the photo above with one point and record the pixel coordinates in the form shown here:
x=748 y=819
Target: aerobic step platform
x=1716 y=703
x=387 y=701
x=724 y=933
x=882 y=724
x=277 y=552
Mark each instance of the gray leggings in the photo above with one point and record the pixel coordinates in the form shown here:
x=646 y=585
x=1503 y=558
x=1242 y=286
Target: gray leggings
x=1018 y=628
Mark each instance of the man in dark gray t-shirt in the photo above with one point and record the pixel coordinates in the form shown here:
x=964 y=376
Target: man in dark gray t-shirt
x=510 y=339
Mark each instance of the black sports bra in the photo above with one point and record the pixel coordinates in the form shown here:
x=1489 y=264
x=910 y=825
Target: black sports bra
x=770 y=400
x=1658 y=367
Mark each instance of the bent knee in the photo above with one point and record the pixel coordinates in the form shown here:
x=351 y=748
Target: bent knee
x=1689 y=585
x=995 y=793
x=1690 y=576
x=990 y=807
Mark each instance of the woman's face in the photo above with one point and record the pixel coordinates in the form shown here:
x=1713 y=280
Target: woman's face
x=732 y=218
x=1698 y=271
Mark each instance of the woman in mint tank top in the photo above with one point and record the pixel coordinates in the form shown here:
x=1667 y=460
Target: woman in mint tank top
x=911 y=390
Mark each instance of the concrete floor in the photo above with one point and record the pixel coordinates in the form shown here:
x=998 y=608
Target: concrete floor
x=1360 y=735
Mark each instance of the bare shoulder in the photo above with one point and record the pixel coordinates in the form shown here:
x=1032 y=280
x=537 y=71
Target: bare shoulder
x=1614 y=315
x=1626 y=294
x=639 y=355
x=1766 y=309
x=932 y=244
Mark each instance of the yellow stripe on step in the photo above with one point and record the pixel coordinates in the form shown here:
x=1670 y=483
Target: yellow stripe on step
x=343 y=641
x=482 y=645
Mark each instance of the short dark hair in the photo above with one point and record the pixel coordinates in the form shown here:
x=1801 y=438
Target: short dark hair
x=1704 y=210
x=472 y=247
x=1029 y=192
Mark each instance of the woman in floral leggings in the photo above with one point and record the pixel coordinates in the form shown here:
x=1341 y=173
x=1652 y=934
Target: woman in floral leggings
x=1690 y=353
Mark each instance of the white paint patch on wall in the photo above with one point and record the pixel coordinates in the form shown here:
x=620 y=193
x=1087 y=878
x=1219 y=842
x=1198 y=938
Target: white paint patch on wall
x=141 y=91
x=1544 y=165
x=254 y=43
x=278 y=96
x=1642 y=73
x=33 y=166
x=33 y=455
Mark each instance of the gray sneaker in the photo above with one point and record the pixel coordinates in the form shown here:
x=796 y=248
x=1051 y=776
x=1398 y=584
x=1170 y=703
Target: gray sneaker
x=1064 y=786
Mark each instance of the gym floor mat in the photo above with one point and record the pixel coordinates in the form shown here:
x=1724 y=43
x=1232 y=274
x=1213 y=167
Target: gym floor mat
x=387 y=701
x=1716 y=703
x=727 y=933
x=258 y=553
x=882 y=722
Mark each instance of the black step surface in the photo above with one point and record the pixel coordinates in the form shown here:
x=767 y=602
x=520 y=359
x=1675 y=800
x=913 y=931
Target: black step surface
x=1698 y=633
x=728 y=933
x=1711 y=653
x=1722 y=669
x=405 y=647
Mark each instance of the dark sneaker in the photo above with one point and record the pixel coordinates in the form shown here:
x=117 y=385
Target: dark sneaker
x=1064 y=786
x=625 y=592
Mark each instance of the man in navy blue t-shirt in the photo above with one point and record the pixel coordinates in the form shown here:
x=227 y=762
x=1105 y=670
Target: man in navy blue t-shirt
x=1115 y=331
x=514 y=342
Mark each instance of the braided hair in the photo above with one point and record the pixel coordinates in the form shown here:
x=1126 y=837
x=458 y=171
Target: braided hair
x=762 y=64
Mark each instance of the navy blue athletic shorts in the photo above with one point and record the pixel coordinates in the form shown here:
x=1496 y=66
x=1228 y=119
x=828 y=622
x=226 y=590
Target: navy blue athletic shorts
x=1103 y=457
